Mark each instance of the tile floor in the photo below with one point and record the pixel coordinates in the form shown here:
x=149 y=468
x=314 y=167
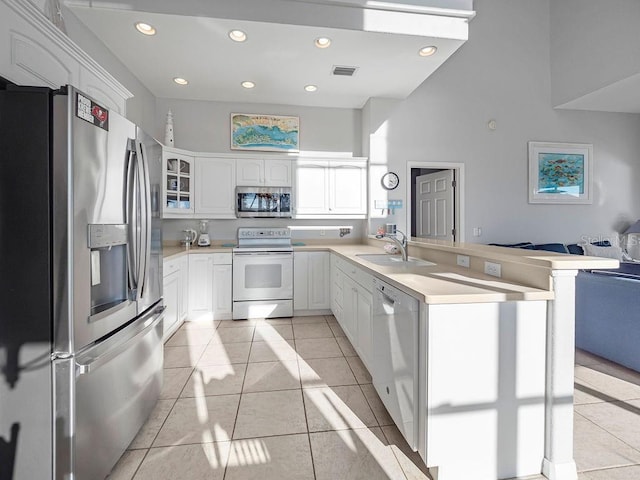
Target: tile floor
x=290 y=399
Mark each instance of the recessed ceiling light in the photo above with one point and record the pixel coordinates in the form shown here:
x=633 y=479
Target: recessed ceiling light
x=248 y=84
x=322 y=42
x=181 y=81
x=145 y=28
x=237 y=35
x=427 y=51
x=310 y=88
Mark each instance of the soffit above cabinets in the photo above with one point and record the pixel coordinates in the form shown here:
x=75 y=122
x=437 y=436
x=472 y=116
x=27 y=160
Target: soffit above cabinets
x=279 y=56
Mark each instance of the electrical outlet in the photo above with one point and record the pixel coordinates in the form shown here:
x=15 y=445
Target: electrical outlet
x=322 y=233
x=463 y=260
x=494 y=269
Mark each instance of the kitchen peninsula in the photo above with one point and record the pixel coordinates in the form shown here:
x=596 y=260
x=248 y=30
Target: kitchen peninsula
x=493 y=364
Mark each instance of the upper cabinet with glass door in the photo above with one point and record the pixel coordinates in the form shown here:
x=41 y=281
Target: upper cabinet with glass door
x=177 y=183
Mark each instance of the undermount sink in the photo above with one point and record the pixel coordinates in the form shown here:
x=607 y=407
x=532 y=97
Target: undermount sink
x=393 y=260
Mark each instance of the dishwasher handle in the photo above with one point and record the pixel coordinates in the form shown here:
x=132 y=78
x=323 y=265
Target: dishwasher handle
x=386 y=299
x=386 y=293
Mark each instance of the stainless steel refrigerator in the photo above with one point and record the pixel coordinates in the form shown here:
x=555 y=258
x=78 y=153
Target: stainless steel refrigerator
x=80 y=284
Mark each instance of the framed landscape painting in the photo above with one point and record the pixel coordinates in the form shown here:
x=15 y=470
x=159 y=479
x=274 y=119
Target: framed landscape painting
x=272 y=133
x=560 y=172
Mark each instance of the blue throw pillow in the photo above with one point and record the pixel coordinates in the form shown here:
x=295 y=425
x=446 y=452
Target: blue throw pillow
x=576 y=249
x=552 y=247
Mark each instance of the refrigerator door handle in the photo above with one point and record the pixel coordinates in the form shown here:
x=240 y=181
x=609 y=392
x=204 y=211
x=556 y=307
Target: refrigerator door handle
x=93 y=363
x=145 y=208
x=132 y=206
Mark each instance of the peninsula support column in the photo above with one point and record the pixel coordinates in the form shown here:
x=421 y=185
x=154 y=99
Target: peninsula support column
x=558 y=461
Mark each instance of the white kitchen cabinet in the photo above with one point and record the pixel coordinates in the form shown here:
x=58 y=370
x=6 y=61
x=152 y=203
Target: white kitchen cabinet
x=177 y=183
x=183 y=304
x=210 y=285
x=200 y=284
x=311 y=188
x=350 y=309
x=311 y=275
x=347 y=188
x=351 y=303
x=329 y=188
x=336 y=289
x=357 y=307
x=170 y=292
x=253 y=172
x=222 y=300
x=215 y=182
x=35 y=52
x=175 y=293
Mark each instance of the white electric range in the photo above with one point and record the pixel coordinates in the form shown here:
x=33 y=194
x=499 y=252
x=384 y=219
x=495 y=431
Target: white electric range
x=263 y=273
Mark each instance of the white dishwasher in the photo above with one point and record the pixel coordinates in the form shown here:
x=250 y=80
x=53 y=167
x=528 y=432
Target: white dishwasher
x=395 y=356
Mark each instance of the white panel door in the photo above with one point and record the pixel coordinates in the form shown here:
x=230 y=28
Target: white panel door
x=311 y=188
x=222 y=299
x=435 y=195
x=301 y=281
x=215 y=183
x=319 y=289
x=249 y=172
x=200 y=284
x=348 y=189
x=33 y=60
x=277 y=173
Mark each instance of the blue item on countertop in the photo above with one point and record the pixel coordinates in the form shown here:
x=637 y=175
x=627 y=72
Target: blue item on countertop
x=298 y=244
x=228 y=245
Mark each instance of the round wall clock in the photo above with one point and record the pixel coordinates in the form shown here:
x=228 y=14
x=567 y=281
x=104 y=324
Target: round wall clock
x=389 y=180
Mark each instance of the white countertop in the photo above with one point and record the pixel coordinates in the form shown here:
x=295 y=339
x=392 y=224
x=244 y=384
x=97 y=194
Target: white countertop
x=442 y=284
x=436 y=284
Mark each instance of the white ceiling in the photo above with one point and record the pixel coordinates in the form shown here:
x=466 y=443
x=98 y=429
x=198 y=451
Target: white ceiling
x=279 y=57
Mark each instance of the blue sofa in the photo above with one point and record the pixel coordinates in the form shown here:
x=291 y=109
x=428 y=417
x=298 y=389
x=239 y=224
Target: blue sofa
x=608 y=313
x=607 y=307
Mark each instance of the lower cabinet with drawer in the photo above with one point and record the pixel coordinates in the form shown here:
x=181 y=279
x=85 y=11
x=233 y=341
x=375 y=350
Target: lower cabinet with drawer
x=210 y=286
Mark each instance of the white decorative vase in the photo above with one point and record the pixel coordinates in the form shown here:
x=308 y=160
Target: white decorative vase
x=168 y=131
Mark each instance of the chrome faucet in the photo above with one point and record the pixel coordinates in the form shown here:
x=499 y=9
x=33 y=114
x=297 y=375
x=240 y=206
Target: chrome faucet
x=402 y=244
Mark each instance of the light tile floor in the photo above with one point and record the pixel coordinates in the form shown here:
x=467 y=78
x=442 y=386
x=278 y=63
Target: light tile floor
x=290 y=399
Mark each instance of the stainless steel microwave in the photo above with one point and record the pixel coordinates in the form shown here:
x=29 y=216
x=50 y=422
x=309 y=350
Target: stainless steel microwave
x=263 y=202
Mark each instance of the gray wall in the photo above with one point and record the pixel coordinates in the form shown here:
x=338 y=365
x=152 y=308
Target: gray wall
x=205 y=126
x=141 y=109
x=503 y=73
x=594 y=43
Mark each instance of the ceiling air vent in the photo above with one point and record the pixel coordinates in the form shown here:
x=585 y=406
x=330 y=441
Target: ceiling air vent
x=344 y=71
